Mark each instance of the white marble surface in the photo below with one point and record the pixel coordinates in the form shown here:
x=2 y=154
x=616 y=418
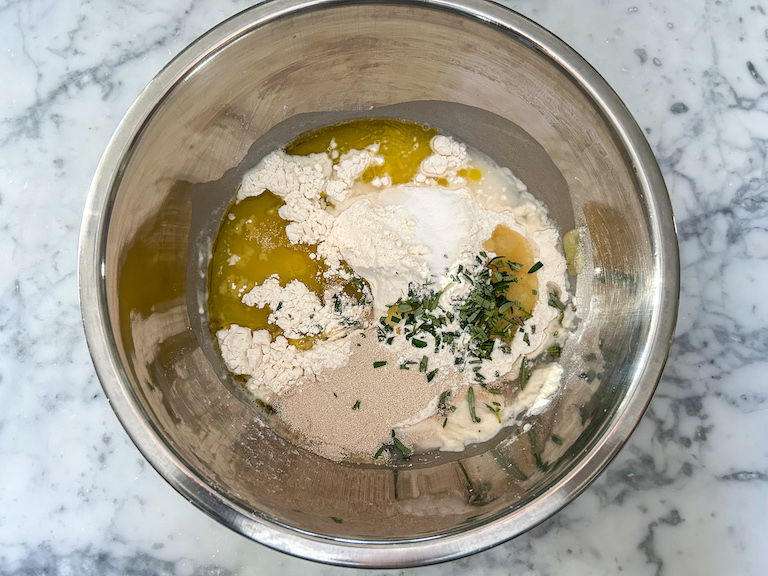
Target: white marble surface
x=688 y=494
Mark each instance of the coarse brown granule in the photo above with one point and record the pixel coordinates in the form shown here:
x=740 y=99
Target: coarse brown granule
x=323 y=411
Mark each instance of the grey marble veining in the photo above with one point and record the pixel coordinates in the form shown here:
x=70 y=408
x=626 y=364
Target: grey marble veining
x=688 y=494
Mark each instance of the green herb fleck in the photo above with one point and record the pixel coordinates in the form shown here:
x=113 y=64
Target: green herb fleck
x=556 y=439
x=495 y=410
x=555 y=302
x=554 y=351
x=471 y=402
x=524 y=374
x=380 y=451
x=404 y=450
x=419 y=343
x=443 y=407
x=423 y=364
x=526 y=339
x=356 y=406
x=445 y=422
x=535 y=267
x=379 y=363
x=431 y=375
x=337 y=520
x=406 y=364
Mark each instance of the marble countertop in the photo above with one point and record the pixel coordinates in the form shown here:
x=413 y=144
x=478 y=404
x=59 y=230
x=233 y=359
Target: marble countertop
x=687 y=495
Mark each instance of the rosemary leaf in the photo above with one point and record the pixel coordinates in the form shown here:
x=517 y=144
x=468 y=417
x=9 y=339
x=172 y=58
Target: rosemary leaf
x=471 y=402
x=555 y=302
x=524 y=374
x=404 y=450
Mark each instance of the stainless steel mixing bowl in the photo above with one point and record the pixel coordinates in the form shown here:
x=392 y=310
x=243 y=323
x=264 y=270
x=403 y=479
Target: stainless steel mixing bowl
x=473 y=68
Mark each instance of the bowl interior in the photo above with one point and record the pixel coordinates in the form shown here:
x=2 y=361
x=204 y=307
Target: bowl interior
x=254 y=86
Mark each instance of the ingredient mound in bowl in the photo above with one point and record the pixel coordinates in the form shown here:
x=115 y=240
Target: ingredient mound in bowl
x=387 y=289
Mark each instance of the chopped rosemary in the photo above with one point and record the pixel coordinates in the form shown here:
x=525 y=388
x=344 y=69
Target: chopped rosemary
x=445 y=421
x=431 y=375
x=443 y=407
x=495 y=410
x=482 y=319
x=404 y=450
x=379 y=363
x=524 y=374
x=395 y=445
x=554 y=351
x=555 y=302
x=535 y=267
x=356 y=406
x=471 y=402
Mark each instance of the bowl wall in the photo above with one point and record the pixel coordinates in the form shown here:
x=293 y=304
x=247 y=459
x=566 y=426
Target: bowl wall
x=477 y=71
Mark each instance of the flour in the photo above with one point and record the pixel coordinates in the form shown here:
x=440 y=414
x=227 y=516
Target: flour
x=420 y=238
x=376 y=240
x=299 y=313
x=275 y=366
x=349 y=168
x=299 y=181
x=448 y=156
x=296 y=309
